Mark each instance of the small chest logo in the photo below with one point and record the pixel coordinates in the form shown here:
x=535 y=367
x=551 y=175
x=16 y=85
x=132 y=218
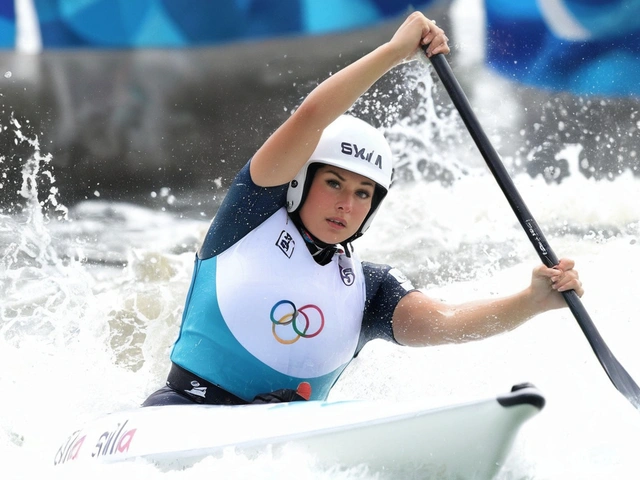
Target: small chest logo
x=286 y=243
x=347 y=275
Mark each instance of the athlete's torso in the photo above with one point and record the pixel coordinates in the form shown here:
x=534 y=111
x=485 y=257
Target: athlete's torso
x=264 y=315
x=237 y=329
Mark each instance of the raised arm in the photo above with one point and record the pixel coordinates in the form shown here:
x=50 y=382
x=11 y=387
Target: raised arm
x=286 y=150
x=419 y=320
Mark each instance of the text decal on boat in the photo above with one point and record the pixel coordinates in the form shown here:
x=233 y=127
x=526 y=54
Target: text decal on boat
x=70 y=449
x=111 y=442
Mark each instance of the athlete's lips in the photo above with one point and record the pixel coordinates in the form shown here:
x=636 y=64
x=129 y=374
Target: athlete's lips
x=336 y=222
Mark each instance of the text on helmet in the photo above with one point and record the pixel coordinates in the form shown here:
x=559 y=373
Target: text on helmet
x=352 y=149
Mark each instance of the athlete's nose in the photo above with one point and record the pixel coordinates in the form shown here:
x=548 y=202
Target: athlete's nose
x=345 y=203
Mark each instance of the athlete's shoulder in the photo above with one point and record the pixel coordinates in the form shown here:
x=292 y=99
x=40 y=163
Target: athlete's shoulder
x=385 y=287
x=245 y=207
x=377 y=274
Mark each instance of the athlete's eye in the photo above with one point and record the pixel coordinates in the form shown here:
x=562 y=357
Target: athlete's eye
x=333 y=183
x=364 y=194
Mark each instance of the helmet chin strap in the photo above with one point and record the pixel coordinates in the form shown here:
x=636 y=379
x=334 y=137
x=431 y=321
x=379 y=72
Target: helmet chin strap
x=321 y=252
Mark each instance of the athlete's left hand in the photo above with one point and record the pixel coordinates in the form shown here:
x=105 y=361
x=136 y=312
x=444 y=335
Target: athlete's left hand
x=416 y=31
x=548 y=283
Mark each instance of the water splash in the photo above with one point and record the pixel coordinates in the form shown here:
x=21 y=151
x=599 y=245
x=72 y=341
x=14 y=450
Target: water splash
x=36 y=283
x=427 y=137
x=24 y=238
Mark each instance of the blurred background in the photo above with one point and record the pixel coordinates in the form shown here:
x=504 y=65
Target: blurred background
x=135 y=96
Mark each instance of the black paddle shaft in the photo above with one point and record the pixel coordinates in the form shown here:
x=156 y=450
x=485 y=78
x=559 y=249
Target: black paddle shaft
x=616 y=372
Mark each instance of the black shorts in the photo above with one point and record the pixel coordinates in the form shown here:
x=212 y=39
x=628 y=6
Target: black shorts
x=185 y=388
x=167 y=396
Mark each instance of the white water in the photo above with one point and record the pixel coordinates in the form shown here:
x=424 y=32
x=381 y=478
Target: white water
x=90 y=307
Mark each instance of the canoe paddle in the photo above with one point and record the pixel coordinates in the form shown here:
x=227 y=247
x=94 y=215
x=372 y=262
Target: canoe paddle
x=616 y=372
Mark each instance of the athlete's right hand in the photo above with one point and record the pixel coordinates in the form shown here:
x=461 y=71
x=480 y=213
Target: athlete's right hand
x=416 y=31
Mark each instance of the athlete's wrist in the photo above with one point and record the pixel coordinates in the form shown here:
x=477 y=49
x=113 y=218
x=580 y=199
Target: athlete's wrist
x=392 y=55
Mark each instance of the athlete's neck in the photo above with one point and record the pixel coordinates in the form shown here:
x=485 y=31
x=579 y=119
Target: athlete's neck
x=321 y=252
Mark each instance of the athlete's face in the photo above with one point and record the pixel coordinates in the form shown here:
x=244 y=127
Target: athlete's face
x=337 y=203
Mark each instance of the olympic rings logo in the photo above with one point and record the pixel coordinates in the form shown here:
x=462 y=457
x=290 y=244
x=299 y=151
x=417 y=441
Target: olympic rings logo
x=301 y=319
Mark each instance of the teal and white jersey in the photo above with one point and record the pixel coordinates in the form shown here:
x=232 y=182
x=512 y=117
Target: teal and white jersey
x=264 y=315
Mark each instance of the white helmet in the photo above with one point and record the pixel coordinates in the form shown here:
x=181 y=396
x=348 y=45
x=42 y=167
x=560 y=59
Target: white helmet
x=353 y=145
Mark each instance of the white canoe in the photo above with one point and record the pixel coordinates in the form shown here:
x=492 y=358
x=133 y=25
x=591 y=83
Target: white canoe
x=467 y=440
